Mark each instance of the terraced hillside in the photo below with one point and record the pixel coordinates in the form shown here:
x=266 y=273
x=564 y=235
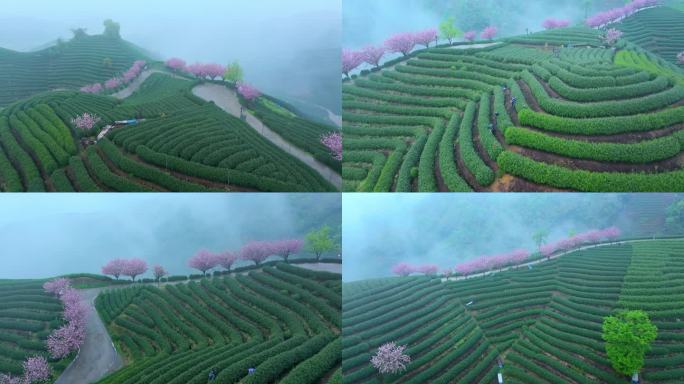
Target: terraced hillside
x=659 y=30
x=27 y=317
x=68 y=65
x=183 y=144
x=544 y=322
x=444 y=119
x=283 y=321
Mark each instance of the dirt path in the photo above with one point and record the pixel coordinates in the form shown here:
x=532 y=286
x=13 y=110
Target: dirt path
x=227 y=100
x=97 y=357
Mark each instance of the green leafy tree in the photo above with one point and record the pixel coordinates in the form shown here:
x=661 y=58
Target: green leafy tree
x=628 y=336
x=319 y=241
x=233 y=73
x=540 y=237
x=112 y=29
x=448 y=29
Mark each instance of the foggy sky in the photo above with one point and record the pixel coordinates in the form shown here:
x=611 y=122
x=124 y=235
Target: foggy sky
x=380 y=230
x=44 y=235
x=372 y=21
x=288 y=48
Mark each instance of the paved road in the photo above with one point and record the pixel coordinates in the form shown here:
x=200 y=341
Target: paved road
x=135 y=84
x=227 y=100
x=97 y=356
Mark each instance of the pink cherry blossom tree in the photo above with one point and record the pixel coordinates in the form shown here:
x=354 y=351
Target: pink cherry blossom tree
x=203 y=261
x=612 y=36
x=372 y=55
x=57 y=286
x=470 y=36
x=214 y=70
x=9 y=379
x=425 y=37
x=92 y=88
x=247 y=91
x=256 y=251
x=401 y=43
x=403 y=269
x=390 y=359
x=333 y=141
x=36 y=369
x=114 y=267
x=86 y=121
x=489 y=33
x=226 y=259
x=428 y=269
x=113 y=83
x=65 y=340
x=159 y=272
x=284 y=248
x=197 y=70
x=134 y=267
x=552 y=23
x=351 y=60
x=175 y=64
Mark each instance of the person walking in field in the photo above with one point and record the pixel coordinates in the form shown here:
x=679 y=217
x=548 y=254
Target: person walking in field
x=212 y=374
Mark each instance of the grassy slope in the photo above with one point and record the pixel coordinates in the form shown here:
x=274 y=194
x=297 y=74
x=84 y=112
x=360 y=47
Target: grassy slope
x=545 y=321
x=176 y=334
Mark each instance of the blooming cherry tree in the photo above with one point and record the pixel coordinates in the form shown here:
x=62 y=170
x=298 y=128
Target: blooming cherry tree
x=114 y=267
x=489 y=33
x=552 y=23
x=57 y=286
x=36 y=369
x=425 y=37
x=226 y=259
x=390 y=359
x=401 y=43
x=92 y=88
x=257 y=251
x=403 y=269
x=159 y=272
x=372 y=55
x=134 y=267
x=351 y=60
x=175 y=64
x=470 y=36
x=333 y=141
x=284 y=248
x=214 y=70
x=203 y=261
x=86 y=121
x=113 y=83
x=612 y=36
x=248 y=92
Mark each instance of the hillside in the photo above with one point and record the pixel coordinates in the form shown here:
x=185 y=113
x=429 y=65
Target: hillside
x=586 y=118
x=659 y=30
x=27 y=317
x=283 y=321
x=543 y=321
x=70 y=65
x=184 y=144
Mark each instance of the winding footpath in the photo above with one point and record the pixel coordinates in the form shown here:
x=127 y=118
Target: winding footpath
x=227 y=100
x=97 y=357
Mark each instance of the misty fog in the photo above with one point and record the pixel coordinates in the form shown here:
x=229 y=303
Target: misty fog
x=372 y=21
x=44 y=235
x=289 y=49
x=446 y=229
